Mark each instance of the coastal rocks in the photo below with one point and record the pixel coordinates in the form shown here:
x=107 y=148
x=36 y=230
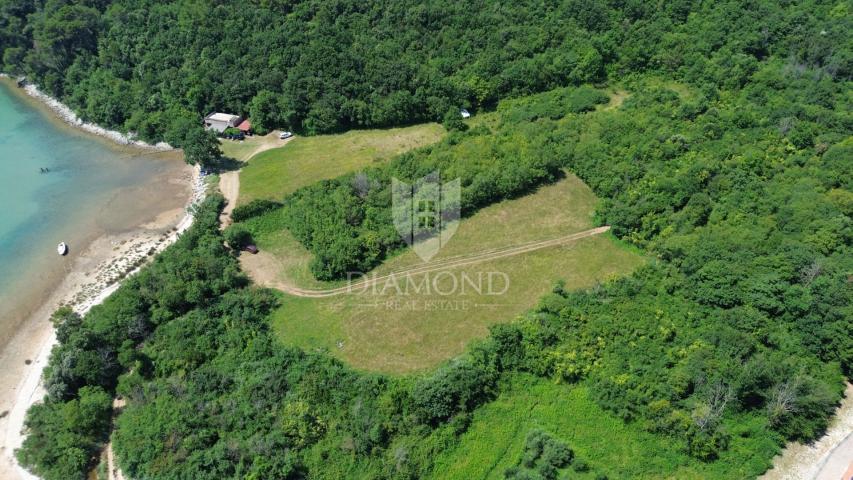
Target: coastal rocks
x=68 y=116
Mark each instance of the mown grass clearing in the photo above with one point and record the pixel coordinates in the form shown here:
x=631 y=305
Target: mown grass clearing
x=386 y=330
x=552 y=211
x=495 y=440
x=305 y=160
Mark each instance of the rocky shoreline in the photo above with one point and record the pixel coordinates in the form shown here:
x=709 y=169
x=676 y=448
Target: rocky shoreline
x=64 y=113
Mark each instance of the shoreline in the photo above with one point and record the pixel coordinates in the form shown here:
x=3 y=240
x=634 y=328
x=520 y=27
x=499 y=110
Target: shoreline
x=96 y=274
x=105 y=259
x=60 y=111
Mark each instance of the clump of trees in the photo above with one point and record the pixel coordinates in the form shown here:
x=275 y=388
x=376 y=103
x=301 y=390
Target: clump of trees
x=542 y=459
x=210 y=392
x=64 y=438
x=65 y=433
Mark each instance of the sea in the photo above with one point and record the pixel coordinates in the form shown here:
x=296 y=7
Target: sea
x=57 y=184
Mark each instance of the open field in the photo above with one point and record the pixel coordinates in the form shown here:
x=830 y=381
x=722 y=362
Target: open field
x=495 y=440
x=275 y=173
x=364 y=282
x=553 y=211
x=386 y=329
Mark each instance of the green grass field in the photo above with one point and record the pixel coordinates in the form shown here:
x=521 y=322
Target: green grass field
x=495 y=440
x=387 y=331
x=305 y=160
x=240 y=150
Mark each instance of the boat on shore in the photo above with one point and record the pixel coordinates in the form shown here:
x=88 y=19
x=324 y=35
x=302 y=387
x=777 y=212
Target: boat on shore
x=62 y=248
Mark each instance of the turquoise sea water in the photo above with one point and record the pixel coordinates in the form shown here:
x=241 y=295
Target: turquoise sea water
x=69 y=203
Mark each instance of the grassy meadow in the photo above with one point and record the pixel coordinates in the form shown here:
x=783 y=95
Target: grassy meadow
x=495 y=439
x=385 y=331
x=274 y=173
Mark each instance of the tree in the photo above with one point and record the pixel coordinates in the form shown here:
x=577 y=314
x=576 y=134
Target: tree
x=66 y=321
x=453 y=121
x=63 y=437
x=201 y=147
x=237 y=237
x=266 y=112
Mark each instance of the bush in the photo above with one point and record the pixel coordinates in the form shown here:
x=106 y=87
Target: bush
x=453 y=121
x=458 y=387
x=584 y=99
x=542 y=458
x=237 y=237
x=255 y=208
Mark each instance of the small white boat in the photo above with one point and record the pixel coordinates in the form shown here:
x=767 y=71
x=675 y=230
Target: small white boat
x=62 y=248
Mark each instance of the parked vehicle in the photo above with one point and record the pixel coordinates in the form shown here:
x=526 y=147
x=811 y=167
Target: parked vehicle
x=285 y=135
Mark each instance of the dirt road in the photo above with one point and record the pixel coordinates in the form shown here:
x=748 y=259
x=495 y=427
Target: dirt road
x=229 y=185
x=229 y=182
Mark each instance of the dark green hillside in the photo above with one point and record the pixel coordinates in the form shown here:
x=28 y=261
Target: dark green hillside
x=155 y=67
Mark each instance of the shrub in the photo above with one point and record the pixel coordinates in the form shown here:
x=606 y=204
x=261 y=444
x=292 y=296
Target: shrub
x=584 y=99
x=542 y=457
x=237 y=237
x=252 y=209
x=453 y=121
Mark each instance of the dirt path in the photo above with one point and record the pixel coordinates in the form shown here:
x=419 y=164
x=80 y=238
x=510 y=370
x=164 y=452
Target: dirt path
x=258 y=266
x=229 y=182
x=229 y=185
x=113 y=470
x=268 y=142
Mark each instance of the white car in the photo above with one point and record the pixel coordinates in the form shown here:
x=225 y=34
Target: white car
x=284 y=135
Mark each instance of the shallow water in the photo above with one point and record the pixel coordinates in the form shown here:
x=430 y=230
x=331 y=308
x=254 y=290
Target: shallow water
x=91 y=188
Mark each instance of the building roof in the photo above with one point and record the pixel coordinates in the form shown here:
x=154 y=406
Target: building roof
x=245 y=126
x=220 y=117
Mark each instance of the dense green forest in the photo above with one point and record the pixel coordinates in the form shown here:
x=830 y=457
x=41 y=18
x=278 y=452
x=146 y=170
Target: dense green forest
x=729 y=162
x=157 y=67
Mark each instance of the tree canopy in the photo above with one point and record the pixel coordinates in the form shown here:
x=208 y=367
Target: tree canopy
x=320 y=65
